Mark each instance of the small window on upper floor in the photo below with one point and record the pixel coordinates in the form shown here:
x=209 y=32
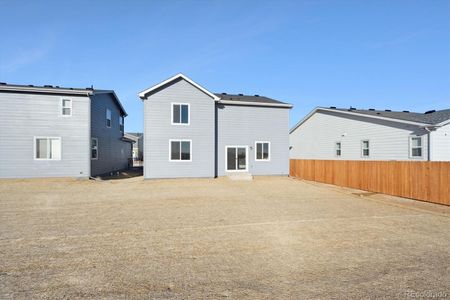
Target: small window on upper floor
x=415 y=147
x=66 y=107
x=365 y=148
x=108 y=118
x=338 y=149
x=180 y=114
x=121 y=123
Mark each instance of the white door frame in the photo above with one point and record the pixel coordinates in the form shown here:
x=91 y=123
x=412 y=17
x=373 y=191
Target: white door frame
x=226 y=158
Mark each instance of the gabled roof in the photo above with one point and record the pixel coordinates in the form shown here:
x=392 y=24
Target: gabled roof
x=258 y=100
x=116 y=99
x=427 y=119
x=430 y=117
x=143 y=94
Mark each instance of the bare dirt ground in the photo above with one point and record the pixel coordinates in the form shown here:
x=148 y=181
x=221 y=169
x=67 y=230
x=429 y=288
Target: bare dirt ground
x=203 y=238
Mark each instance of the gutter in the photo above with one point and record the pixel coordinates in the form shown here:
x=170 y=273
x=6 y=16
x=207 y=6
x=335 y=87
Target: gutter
x=27 y=89
x=356 y=114
x=246 y=103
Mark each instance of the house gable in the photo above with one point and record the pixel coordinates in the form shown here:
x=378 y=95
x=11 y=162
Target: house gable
x=166 y=83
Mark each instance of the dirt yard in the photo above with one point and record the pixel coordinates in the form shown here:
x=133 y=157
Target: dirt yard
x=265 y=239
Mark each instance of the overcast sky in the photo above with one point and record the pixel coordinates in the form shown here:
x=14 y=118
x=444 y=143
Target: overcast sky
x=366 y=54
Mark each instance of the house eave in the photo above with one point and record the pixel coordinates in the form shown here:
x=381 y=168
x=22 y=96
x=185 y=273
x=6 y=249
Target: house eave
x=143 y=94
x=356 y=114
x=246 y=103
x=43 y=90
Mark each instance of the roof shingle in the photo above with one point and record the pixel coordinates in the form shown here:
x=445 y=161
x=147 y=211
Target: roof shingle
x=432 y=117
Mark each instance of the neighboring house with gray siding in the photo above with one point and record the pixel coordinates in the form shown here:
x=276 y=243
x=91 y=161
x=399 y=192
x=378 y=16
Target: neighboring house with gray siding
x=138 y=144
x=60 y=132
x=191 y=132
x=355 y=134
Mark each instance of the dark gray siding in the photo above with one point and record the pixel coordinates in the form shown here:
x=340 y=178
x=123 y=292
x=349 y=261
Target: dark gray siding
x=244 y=125
x=24 y=116
x=158 y=130
x=113 y=153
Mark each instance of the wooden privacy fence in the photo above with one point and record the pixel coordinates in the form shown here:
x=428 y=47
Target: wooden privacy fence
x=427 y=181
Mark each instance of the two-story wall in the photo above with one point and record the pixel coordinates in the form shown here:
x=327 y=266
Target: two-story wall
x=46 y=132
x=160 y=131
x=244 y=126
x=107 y=132
x=37 y=139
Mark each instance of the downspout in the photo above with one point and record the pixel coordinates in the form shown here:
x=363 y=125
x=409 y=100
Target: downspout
x=429 y=130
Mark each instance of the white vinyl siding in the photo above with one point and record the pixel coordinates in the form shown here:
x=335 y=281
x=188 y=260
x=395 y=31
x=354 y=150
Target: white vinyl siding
x=47 y=148
x=440 y=144
x=387 y=140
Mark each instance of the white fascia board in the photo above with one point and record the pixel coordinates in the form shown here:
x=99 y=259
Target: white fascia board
x=356 y=114
x=442 y=123
x=143 y=94
x=255 y=103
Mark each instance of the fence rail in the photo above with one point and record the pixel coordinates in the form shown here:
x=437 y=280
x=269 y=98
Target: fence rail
x=426 y=181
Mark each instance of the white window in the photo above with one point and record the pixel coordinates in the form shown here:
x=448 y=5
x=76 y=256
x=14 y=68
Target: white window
x=415 y=146
x=121 y=123
x=180 y=150
x=338 y=149
x=66 y=107
x=262 y=151
x=365 y=148
x=108 y=118
x=180 y=114
x=47 y=148
x=94 y=148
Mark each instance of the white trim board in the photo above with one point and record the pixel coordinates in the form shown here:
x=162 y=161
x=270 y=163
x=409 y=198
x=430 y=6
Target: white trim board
x=143 y=94
x=247 y=103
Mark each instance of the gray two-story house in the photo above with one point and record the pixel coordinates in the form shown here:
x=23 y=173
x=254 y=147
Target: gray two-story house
x=191 y=132
x=48 y=131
